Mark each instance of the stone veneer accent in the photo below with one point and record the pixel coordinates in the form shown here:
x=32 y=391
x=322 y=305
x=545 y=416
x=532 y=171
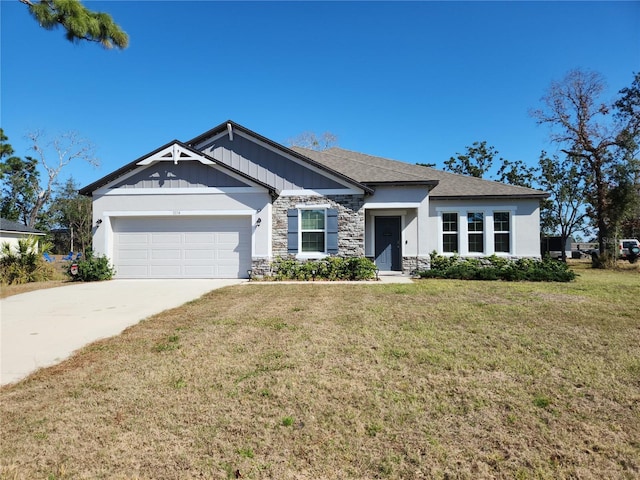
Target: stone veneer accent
x=350 y=221
x=261 y=267
x=411 y=265
x=350 y=226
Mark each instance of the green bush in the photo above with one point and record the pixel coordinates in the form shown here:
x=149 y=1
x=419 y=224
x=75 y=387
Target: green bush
x=24 y=263
x=330 y=268
x=497 y=268
x=91 y=269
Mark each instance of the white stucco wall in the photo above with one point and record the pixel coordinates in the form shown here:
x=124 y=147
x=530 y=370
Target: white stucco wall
x=12 y=237
x=525 y=224
x=422 y=225
x=411 y=204
x=252 y=202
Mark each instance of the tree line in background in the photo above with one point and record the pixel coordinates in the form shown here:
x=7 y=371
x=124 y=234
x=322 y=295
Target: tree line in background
x=593 y=183
x=595 y=180
x=45 y=203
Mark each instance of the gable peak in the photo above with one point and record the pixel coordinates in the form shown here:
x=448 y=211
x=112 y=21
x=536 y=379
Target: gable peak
x=175 y=152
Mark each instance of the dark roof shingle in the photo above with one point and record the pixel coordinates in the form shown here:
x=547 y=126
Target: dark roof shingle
x=11 y=226
x=368 y=169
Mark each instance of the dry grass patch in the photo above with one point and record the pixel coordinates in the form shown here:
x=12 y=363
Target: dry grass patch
x=440 y=379
x=10 y=290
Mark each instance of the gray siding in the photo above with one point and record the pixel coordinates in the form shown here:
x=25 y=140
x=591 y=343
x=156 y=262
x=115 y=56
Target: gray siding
x=266 y=165
x=186 y=174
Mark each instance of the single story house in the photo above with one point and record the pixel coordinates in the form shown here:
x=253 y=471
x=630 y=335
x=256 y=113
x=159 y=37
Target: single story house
x=228 y=202
x=11 y=232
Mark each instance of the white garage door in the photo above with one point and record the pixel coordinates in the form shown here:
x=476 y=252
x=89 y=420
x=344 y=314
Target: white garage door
x=185 y=247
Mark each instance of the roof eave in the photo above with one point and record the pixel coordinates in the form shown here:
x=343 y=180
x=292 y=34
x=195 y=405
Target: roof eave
x=540 y=196
x=400 y=183
x=89 y=189
x=26 y=232
x=92 y=187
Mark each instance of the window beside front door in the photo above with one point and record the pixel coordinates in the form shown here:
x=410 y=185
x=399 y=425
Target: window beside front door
x=450 y=232
x=312 y=231
x=475 y=229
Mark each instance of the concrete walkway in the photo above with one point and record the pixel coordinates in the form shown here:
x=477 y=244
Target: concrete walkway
x=43 y=327
x=394 y=277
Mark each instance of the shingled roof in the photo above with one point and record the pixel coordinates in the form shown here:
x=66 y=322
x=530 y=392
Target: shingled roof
x=371 y=170
x=11 y=226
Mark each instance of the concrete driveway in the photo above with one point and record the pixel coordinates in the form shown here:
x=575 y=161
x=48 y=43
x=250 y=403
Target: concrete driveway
x=42 y=328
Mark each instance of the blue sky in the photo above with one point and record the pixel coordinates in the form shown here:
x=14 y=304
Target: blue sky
x=412 y=81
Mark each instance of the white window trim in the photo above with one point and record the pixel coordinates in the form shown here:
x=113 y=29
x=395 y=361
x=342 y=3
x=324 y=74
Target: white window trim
x=483 y=232
x=510 y=231
x=443 y=233
x=311 y=255
x=463 y=238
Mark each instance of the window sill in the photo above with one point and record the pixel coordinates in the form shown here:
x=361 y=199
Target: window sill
x=311 y=256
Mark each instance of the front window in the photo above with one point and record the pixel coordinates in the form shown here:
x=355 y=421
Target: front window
x=475 y=227
x=450 y=232
x=312 y=231
x=501 y=229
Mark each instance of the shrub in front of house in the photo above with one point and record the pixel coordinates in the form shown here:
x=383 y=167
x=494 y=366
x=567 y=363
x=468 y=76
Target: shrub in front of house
x=330 y=268
x=498 y=268
x=91 y=269
x=22 y=263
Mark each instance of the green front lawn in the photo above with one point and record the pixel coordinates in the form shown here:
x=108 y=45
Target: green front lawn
x=439 y=379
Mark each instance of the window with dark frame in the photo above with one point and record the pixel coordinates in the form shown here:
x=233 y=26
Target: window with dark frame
x=475 y=228
x=501 y=232
x=450 y=232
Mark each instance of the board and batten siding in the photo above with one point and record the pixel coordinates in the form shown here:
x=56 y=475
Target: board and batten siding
x=266 y=165
x=189 y=174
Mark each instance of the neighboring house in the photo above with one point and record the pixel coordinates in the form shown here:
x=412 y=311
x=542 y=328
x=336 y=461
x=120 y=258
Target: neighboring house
x=552 y=246
x=11 y=232
x=228 y=202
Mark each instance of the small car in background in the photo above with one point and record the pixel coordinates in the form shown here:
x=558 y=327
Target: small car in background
x=629 y=249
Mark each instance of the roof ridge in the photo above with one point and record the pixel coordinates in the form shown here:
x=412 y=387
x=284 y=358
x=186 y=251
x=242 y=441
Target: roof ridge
x=471 y=177
x=328 y=151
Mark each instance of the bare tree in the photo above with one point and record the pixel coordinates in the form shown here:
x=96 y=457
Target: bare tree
x=65 y=148
x=563 y=212
x=586 y=130
x=312 y=141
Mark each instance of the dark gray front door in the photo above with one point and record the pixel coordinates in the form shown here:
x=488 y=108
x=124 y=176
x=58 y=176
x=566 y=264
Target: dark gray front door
x=388 y=243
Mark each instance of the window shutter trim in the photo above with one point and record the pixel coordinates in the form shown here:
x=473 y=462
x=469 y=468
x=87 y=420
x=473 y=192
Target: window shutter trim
x=292 y=230
x=332 y=230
